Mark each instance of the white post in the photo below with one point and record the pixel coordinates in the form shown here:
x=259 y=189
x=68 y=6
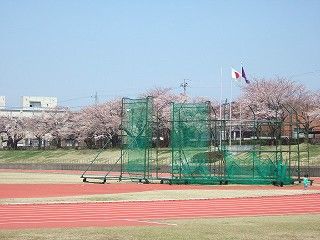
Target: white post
x=230 y=114
x=220 y=140
x=240 y=123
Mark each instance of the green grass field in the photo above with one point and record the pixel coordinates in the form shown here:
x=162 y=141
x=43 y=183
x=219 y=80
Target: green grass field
x=57 y=156
x=278 y=227
x=112 y=155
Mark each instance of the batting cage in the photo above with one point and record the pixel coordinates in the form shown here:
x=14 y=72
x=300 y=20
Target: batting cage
x=192 y=158
x=136 y=131
x=205 y=149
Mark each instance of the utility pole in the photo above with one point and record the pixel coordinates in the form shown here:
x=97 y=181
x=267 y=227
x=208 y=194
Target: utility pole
x=96 y=98
x=184 y=85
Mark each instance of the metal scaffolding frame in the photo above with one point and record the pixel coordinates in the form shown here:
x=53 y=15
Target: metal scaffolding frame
x=205 y=149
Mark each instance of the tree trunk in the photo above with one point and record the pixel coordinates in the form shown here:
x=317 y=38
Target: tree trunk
x=59 y=143
x=89 y=143
x=39 y=142
x=10 y=142
x=15 y=143
x=115 y=140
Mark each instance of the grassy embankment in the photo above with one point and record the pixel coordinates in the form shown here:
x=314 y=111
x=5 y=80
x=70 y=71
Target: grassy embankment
x=69 y=156
x=277 y=227
x=112 y=155
x=57 y=156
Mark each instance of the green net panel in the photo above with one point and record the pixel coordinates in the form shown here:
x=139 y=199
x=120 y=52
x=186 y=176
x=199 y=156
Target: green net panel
x=192 y=161
x=250 y=168
x=206 y=151
x=261 y=161
x=136 y=137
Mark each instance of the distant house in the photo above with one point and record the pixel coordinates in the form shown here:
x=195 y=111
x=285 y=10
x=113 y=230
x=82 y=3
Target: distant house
x=39 y=102
x=30 y=106
x=2 y=102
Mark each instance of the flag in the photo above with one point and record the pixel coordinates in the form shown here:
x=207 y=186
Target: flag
x=235 y=74
x=243 y=75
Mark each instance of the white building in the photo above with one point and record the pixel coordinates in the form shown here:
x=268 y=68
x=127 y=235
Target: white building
x=30 y=106
x=39 y=102
x=2 y=102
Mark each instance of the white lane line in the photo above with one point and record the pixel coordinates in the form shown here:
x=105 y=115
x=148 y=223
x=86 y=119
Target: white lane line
x=160 y=216
x=88 y=220
x=142 y=206
x=63 y=221
x=125 y=209
x=177 y=209
x=191 y=216
x=157 y=203
x=164 y=202
x=153 y=222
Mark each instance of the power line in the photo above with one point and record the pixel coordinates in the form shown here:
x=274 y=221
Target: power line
x=305 y=73
x=95 y=98
x=73 y=99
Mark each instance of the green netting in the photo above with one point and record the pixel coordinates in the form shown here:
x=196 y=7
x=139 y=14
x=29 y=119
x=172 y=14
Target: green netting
x=192 y=161
x=206 y=151
x=250 y=168
x=136 y=136
x=263 y=161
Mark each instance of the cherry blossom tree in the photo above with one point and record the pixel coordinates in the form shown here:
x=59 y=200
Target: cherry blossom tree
x=99 y=124
x=14 y=128
x=308 y=111
x=38 y=126
x=59 y=123
x=267 y=97
x=276 y=98
x=162 y=99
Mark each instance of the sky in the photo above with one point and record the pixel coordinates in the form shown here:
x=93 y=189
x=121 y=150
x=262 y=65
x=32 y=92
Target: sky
x=122 y=48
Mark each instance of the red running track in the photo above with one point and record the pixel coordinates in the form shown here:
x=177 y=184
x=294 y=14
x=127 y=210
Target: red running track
x=60 y=190
x=150 y=212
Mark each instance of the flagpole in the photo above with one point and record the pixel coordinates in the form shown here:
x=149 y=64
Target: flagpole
x=240 y=122
x=220 y=140
x=241 y=110
x=230 y=113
